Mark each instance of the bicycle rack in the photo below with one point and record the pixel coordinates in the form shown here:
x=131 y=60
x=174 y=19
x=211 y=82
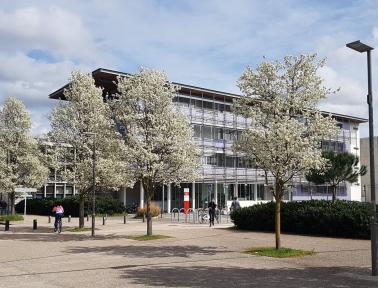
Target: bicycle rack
x=191 y=211
x=173 y=213
x=183 y=210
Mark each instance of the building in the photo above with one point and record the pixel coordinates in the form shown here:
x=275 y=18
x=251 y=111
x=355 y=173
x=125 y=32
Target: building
x=224 y=173
x=365 y=160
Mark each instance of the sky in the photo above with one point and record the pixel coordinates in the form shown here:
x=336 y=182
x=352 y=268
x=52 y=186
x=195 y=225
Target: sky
x=206 y=43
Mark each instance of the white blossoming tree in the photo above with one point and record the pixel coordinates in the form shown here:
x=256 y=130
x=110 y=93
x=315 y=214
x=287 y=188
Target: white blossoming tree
x=77 y=123
x=281 y=100
x=21 y=162
x=159 y=139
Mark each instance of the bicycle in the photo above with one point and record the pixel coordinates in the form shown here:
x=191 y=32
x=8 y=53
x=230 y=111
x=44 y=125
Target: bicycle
x=203 y=216
x=58 y=225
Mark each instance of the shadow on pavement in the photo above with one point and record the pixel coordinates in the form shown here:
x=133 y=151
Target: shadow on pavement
x=48 y=235
x=205 y=276
x=149 y=251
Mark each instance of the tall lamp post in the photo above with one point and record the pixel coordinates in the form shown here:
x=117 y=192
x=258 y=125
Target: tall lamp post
x=94 y=182
x=361 y=47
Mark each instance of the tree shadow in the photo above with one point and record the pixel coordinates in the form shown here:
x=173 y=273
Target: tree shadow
x=205 y=276
x=149 y=251
x=48 y=235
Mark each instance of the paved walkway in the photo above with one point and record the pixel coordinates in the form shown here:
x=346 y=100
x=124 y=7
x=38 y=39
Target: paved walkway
x=197 y=256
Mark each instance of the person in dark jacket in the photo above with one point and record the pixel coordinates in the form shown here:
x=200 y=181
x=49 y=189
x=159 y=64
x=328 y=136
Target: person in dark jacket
x=212 y=206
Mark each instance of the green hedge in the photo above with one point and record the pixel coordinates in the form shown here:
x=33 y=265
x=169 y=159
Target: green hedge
x=104 y=205
x=316 y=217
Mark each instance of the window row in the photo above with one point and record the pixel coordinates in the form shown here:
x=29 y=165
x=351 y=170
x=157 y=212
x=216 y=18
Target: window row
x=222 y=160
x=200 y=104
x=216 y=133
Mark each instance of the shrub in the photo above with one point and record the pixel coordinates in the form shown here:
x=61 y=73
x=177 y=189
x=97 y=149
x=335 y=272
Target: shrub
x=155 y=211
x=104 y=205
x=316 y=217
x=15 y=217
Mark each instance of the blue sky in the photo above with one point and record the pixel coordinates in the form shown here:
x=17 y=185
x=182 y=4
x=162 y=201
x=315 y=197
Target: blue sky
x=203 y=43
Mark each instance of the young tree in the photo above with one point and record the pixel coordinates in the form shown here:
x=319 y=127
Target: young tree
x=340 y=167
x=20 y=156
x=159 y=139
x=281 y=100
x=80 y=123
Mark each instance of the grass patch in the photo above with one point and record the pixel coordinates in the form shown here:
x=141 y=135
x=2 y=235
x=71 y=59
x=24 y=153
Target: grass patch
x=77 y=229
x=279 y=253
x=147 y=238
x=15 y=217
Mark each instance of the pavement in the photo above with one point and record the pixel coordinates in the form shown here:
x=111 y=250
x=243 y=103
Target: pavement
x=195 y=256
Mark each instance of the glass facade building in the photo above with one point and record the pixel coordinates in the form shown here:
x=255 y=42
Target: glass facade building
x=224 y=173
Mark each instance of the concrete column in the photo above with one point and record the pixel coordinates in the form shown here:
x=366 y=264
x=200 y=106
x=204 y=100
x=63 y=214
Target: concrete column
x=236 y=189
x=216 y=192
x=54 y=190
x=141 y=201
x=74 y=190
x=64 y=190
x=124 y=196
x=44 y=191
x=255 y=191
x=169 y=198
x=194 y=195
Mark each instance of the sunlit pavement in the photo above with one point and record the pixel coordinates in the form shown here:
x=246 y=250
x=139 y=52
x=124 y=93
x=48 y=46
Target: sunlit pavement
x=195 y=256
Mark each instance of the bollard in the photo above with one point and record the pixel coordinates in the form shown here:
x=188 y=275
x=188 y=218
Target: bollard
x=35 y=224
x=103 y=220
x=143 y=218
x=87 y=217
x=6 y=225
x=69 y=218
x=49 y=221
x=124 y=219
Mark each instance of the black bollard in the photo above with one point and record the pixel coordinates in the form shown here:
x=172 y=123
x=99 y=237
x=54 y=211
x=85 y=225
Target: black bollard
x=124 y=219
x=6 y=225
x=69 y=218
x=35 y=224
x=103 y=220
x=87 y=217
x=143 y=218
x=49 y=221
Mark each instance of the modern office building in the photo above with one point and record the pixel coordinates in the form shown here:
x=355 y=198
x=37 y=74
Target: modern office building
x=224 y=174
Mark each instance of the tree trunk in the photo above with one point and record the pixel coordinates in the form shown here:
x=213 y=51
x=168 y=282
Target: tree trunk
x=81 y=210
x=149 y=218
x=278 y=197
x=334 y=193
x=278 y=223
x=12 y=200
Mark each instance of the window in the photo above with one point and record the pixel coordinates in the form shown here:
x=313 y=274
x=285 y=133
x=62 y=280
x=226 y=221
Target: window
x=206 y=132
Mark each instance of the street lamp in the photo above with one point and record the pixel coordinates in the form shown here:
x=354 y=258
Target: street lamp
x=361 y=47
x=94 y=182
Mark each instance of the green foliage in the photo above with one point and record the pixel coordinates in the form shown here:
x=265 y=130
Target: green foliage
x=316 y=217
x=341 y=167
x=104 y=205
x=14 y=217
x=279 y=253
x=149 y=237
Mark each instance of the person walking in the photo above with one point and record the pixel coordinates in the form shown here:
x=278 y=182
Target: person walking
x=59 y=212
x=235 y=204
x=212 y=206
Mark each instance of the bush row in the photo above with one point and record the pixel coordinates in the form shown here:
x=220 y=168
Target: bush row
x=316 y=217
x=104 y=205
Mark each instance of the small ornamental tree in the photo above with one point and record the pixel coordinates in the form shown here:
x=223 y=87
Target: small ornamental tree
x=21 y=162
x=159 y=138
x=280 y=99
x=340 y=167
x=79 y=123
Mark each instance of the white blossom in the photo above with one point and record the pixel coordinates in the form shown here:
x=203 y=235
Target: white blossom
x=159 y=138
x=21 y=162
x=281 y=100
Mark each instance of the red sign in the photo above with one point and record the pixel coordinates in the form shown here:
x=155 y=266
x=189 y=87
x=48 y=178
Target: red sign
x=186 y=199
